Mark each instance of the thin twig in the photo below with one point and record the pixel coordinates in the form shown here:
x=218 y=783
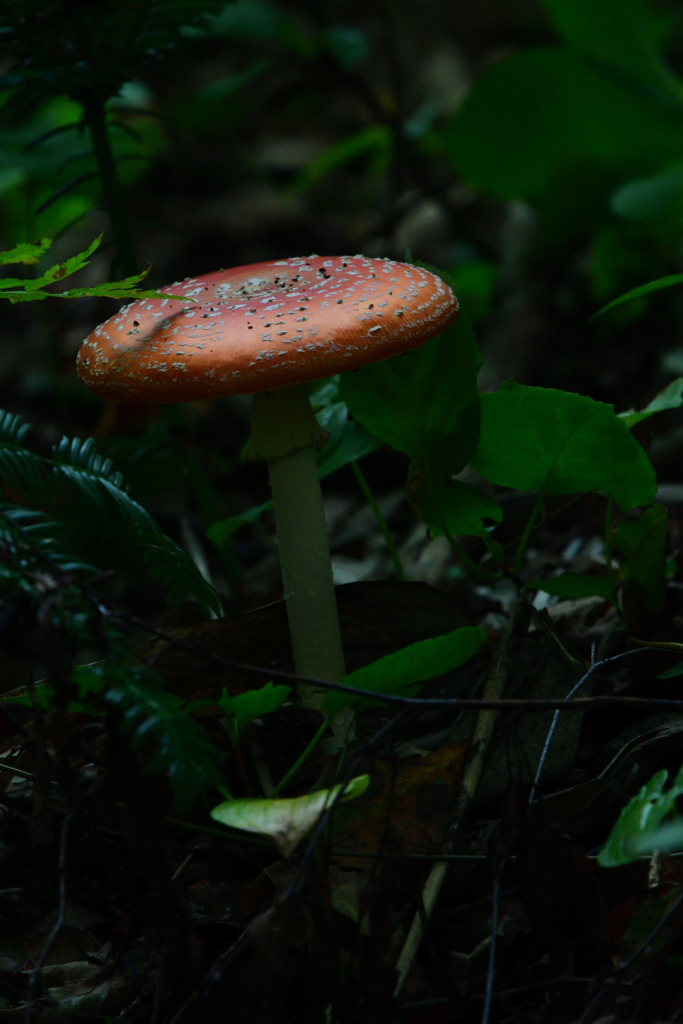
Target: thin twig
x=365 y=751
x=483 y=730
x=58 y=925
x=491 y=968
x=577 y=686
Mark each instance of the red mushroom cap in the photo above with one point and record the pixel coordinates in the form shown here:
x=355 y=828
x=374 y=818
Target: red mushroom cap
x=264 y=326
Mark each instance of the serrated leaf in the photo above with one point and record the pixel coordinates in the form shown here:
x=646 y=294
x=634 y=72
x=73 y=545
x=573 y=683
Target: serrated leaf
x=26 y=252
x=574 y=585
x=285 y=821
x=400 y=671
x=636 y=826
x=556 y=442
x=32 y=289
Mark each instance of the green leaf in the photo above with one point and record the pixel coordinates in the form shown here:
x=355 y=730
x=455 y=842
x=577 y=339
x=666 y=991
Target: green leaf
x=650 y=198
x=416 y=663
x=670 y=398
x=25 y=252
x=377 y=140
x=348 y=441
x=670 y=673
x=425 y=402
x=643 y=542
x=80 y=474
x=622 y=33
x=222 y=530
x=285 y=821
x=30 y=289
x=460 y=507
x=551 y=126
x=635 y=830
x=574 y=585
x=644 y=289
x=556 y=442
x=245 y=707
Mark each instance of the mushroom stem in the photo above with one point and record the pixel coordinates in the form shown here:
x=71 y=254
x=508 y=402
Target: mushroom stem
x=284 y=434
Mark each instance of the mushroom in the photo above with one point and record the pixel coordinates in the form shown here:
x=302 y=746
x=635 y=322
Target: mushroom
x=267 y=329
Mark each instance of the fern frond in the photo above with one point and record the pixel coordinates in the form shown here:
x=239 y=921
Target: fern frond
x=95 y=478
x=24 y=476
x=79 y=482
x=13 y=430
x=159 y=726
x=32 y=543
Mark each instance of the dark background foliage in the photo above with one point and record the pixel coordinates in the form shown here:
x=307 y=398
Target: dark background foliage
x=530 y=149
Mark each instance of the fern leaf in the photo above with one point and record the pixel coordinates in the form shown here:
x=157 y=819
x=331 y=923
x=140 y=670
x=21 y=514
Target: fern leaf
x=159 y=726
x=13 y=430
x=87 y=471
x=31 y=543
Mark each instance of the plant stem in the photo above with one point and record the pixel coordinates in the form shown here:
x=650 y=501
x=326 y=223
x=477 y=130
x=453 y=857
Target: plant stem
x=94 y=113
x=524 y=539
x=460 y=551
x=381 y=521
x=301 y=759
x=608 y=544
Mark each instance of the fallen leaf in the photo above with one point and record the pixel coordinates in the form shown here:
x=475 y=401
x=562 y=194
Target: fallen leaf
x=285 y=821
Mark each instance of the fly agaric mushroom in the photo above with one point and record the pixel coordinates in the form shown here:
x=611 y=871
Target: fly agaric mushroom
x=267 y=329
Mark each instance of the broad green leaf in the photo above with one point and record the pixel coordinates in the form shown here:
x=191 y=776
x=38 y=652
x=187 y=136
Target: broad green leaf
x=643 y=543
x=285 y=821
x=556 y=442
x=574 y=585
x=425 y=402
x=460 y=507
x=245 y=707
x=551 y=126
x=622 y=33
x=658 y=195
x=668 y=838
x=670 y=398
x=633 y=832
x=416 y=663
